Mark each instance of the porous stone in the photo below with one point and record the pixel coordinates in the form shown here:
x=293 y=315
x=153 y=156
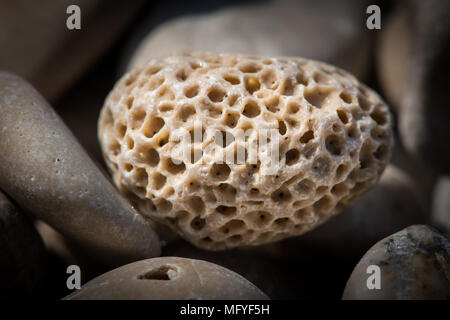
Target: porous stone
x=37 y=45
x=45 y=170
x=269 y=28
x=173 y=130
x=414 y=264
x=23 y=259
x=413 y=66
x=169 y=278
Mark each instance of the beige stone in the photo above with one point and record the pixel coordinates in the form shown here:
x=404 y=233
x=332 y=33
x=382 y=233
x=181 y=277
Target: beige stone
x=269 y=28
x=414 y=264
x=173 y=130
x=45 y=170
x=169 y=278
x=36 y=44
x=23 y=259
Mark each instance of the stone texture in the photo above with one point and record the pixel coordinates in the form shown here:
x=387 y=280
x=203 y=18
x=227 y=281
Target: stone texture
x=184 y=139
x=414 y=264
x=23 y=259
x=413 y=66
x=169 y=278
x=394 y=203
x=45 y=170
x=37 y=45
x=269 y=28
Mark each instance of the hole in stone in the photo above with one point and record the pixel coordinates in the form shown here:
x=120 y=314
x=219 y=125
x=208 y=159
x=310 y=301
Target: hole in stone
x=121 y=130
x=148 y=156
x=252 y=84
x=334 y=145
x=154 y=83
x=304 y=187
x=269 y=79
x=231 y=119
x=220 y=171
x=259 y=218
x=321 y=78
x=196 y=204
x=287 y=89
x=365 y=157
x=166 y=94
x=251 y=109
x=321 y=167
x=181 y=75
x=128 y=167
x=130 y=143
x=342 y=115
x=292 y=157
x=158 y=180
x=305 y=215
x=250 y=67
x=301 y=79
x=323 y=205
x=340 y=171
x=339 y=189
x=191 y=91
x=353 y=132
x=232 y=100
x=317 y=97
x=174 y=167
x=346 y=97
x=282 y=222
x=226 y=192
x=141 y=177
x=293 y=107
x=186 y=112
x=163 y=139
x=363 y=103
x=129 y=102
x=233 y=226
x=153 y=126
x=137 y=118
x=152 y=70
x=281 y=195
x=216 y=94
x=282 y=127
x=378 y=133
x=307 y=136
x=166 y=108
x=198 y=223
x=382 y=152
x=379 y=117
x=272 y=104
x=225 y=210
x=234 y=80
x=161 y=273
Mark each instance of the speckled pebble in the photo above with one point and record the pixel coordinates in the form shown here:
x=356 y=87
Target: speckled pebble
x=414 y=264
